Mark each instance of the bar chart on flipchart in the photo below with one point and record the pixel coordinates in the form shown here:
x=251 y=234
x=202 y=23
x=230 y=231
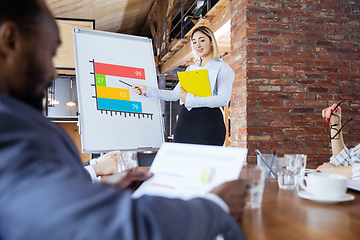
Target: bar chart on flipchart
x=111 y=115
x=112 y=85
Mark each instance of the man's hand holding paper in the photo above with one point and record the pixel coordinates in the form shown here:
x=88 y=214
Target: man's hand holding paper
x=188 y=171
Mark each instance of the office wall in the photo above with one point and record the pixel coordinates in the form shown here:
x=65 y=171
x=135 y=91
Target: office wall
x=72 y=130
x=292 y=59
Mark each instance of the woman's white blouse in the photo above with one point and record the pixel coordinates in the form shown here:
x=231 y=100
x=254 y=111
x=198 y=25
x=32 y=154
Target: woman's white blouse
x=349 y=157
x=221 y=78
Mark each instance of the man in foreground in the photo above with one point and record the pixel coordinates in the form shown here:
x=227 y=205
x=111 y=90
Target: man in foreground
x=44 y=191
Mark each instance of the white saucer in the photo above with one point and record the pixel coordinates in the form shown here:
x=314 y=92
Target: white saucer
x=309 y=196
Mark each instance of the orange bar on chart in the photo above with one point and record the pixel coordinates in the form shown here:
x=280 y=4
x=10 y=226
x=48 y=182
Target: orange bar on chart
x=113 y=93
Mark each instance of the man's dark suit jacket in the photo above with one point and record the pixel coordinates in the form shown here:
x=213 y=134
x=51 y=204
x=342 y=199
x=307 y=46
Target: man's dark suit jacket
x=45 y=192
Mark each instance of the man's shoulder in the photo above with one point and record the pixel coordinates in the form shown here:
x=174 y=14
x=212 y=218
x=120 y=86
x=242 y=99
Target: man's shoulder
x=16 y=108
x=14 y=113
x=21 y=124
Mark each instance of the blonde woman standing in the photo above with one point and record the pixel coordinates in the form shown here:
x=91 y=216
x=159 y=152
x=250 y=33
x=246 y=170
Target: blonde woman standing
x=201 y=121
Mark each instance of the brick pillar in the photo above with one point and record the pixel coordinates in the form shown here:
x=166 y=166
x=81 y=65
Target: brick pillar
x=292 y=59
x=238 y=50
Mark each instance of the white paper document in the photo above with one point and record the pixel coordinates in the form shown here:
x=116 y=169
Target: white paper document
x=310 y=170
x=355 y=185
x=186 y=171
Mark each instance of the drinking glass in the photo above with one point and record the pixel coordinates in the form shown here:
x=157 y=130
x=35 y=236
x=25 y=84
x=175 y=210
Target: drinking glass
x=255 y=175
x=289 y=172
x=127 y=160
x=303 y=162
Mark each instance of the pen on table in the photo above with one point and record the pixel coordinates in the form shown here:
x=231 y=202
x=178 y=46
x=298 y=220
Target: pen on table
x=272 y=161
x=125 y=83
x=262 y=158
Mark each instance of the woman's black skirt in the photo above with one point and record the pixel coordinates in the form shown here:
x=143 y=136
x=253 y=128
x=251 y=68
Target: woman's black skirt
x=200 y=126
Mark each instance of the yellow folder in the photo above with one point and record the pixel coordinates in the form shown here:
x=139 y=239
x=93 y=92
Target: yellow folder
x=195 y=82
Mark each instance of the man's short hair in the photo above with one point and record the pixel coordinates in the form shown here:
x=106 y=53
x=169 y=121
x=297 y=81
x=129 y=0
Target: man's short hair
x=24 y=13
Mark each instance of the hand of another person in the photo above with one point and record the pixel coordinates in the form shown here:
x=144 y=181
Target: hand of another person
x=233 y=193
x=106 y=164
x=326 y=113
x=139 y=89
x=331 y=168
x=131 y=178
x=326 y=168
x=183 y=94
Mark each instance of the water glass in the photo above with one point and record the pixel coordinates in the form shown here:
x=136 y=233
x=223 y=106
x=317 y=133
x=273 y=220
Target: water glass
x=303 y=164
x=127 y=160
x=289 y=172
x=255 y=175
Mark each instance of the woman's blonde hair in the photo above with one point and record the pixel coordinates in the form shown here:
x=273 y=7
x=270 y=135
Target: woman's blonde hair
x=207 y=31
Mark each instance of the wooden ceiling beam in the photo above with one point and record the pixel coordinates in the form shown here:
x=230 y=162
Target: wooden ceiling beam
x=217 y=8
x=223 y=17
x=170 y=15
x=65 y=72
x=149 y=22
x=185 y=54
x=111 y=15
x=161 y=16
x=152 y=29
x=202 y=22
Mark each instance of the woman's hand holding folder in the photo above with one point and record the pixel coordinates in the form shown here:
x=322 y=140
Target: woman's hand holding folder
x=183 y=94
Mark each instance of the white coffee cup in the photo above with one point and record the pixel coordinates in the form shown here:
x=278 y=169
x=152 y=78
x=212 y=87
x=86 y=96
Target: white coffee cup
x=325 y=185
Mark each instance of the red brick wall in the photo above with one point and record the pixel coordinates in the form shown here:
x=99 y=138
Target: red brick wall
x=292 y=58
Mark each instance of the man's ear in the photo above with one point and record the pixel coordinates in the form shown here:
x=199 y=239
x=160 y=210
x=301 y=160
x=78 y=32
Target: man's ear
x=9 y=36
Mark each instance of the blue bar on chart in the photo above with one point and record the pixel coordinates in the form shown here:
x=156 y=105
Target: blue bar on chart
x=119 y=105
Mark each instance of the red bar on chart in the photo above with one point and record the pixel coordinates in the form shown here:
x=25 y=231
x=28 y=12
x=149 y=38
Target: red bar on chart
x=119 y=71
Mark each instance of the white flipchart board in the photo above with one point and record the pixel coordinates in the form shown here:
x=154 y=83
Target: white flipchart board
x=111 y=115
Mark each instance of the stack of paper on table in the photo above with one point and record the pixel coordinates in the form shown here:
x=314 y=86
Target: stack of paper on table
x=355 y=185
x=186 y=171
